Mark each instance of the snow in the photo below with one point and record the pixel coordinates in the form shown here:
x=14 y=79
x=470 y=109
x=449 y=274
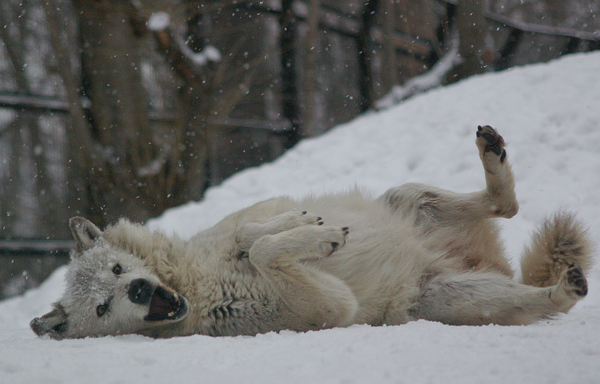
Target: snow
x=549 y=115
x=211 y=53
x=206 y=55
x=418 y=84
x=159 y=21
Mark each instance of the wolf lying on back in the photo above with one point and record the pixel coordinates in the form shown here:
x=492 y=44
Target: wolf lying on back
x=416 y=252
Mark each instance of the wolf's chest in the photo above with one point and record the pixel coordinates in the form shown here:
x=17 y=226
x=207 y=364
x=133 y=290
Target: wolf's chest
x=244 y=305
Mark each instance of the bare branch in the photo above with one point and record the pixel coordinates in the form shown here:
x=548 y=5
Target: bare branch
x=188 y=64
x=424 y=82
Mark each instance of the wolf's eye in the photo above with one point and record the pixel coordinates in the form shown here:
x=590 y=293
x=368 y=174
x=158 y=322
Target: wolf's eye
x=101 y=309
x=117 y=270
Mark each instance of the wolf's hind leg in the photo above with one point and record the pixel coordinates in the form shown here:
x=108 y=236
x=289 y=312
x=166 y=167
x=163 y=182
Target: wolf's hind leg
x=500 y=182
x=479 y=298
x=248 y=233
x=430 y=204
x=319 y=299
x=561 y=243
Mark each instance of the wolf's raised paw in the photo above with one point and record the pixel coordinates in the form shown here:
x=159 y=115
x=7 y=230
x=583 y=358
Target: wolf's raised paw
x=491 y=141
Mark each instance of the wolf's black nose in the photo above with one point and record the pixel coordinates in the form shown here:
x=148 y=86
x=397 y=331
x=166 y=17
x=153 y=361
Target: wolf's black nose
x=140 y=291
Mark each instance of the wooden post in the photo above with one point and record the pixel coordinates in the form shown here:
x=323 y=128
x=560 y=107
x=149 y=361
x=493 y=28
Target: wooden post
x=289 y=90
x=471 y=24
x=389 y=20
x=312 y=48
x=364 y=55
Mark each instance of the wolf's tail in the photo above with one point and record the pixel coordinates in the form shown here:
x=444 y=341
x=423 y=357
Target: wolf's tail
x=560 y=243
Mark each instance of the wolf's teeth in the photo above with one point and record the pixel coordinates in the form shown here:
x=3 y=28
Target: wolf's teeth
x=171 y=314
x=176 y=297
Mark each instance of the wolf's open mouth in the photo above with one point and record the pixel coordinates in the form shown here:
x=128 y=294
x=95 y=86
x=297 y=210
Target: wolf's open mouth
x=165 y=305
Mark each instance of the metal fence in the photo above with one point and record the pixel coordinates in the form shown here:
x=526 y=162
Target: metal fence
x=25 y=264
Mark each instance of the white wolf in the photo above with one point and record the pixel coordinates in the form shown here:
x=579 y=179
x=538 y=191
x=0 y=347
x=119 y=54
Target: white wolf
x=416 y=252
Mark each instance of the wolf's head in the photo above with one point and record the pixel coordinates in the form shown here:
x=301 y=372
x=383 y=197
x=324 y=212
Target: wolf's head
x=109 y=292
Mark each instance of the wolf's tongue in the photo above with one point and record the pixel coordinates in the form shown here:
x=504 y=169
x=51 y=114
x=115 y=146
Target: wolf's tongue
x=159 y=305
x=166 y=305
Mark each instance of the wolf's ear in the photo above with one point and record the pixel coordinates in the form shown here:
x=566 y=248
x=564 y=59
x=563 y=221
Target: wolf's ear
x=53 y=323
x=84 y=232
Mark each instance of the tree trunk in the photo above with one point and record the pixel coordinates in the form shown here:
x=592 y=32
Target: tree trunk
x=391 y=59
x=289 y=89
x=80 y=149
x=111 y=64
x=472 y=30
x=312 y=49
x=365 y=55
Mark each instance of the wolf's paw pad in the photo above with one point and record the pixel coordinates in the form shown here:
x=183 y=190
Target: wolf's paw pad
x=334 y=239
x=491 y=141
x=576 y=280
x=336 y=245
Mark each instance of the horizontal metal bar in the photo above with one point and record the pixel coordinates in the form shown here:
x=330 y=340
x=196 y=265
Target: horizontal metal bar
x=268 y=125
x=29 y=102
x=349 y=25
x=544 y=29
x=42 y=103
x=35 y=245
x=37 y=102
x=536 y=28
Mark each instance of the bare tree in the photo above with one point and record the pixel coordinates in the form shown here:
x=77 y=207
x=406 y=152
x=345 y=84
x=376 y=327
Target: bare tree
x=472 y=31
x=131 y=167
x=111 y=50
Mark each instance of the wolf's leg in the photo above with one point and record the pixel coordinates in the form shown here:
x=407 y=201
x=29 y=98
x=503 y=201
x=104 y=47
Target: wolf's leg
x=440 y=206
x=478 y=298
x=319 y=299
x=248 y=233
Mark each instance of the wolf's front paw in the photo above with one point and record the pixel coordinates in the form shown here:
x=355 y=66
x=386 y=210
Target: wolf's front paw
x=488 y=140
x=316 y=242
x=301 y=243
x=334 y=238
x=248 y=233
x=300 y=218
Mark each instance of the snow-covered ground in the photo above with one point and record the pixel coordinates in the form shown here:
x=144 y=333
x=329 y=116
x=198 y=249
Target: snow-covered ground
x=549 y=115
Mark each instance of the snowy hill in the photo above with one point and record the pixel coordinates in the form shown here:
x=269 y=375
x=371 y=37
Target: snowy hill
x=549 y=115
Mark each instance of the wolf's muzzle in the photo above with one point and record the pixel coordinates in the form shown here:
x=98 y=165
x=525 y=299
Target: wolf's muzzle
x=140 y=291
